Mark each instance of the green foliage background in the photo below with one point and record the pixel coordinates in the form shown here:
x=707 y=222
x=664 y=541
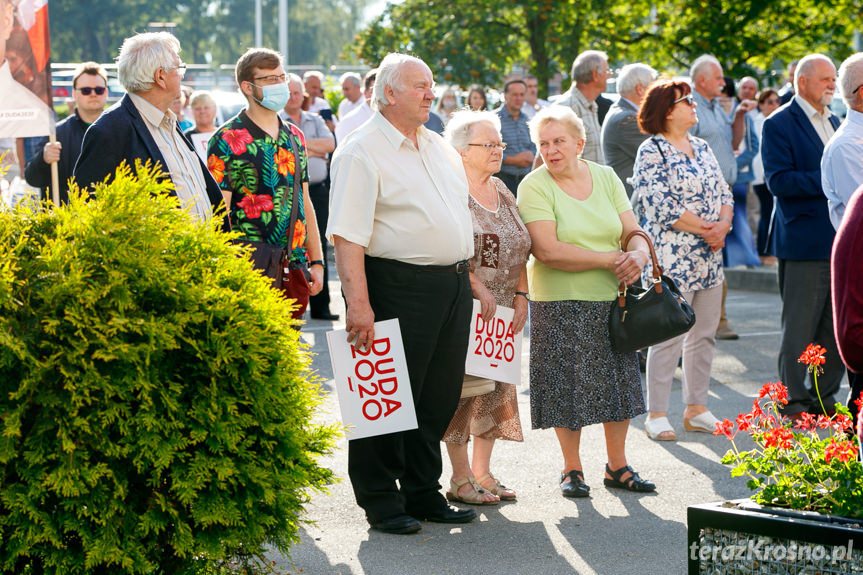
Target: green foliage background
x=156 y=403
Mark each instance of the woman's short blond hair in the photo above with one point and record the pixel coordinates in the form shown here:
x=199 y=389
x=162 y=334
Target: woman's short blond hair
x=562 y=114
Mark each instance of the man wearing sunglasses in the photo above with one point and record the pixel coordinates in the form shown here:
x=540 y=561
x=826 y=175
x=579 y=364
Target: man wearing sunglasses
x=90 y=93
x=142 y=127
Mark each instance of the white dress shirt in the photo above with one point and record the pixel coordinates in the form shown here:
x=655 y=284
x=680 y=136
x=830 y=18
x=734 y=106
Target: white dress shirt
x=842 y=165
x=399 y=201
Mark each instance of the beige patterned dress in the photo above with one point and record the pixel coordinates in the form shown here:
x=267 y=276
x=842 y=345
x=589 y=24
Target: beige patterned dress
x=501 y=247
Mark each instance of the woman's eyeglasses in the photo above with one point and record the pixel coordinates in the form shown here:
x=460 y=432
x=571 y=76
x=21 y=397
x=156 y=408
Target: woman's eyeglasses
x=491 y=146
x=87 y=91
x=690 y=101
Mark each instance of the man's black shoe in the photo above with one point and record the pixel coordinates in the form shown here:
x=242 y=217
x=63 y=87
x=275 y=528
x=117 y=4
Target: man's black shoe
x=398 y=524
x=329 y=316
x=447 y=514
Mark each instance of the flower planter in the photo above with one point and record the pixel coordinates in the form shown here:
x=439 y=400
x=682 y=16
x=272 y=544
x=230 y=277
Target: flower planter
x=741 y=537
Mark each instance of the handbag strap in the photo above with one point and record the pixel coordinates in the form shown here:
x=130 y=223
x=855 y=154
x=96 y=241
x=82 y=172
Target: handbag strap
x=657 y=269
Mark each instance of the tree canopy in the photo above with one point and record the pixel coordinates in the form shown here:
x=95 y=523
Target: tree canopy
x=483 y=43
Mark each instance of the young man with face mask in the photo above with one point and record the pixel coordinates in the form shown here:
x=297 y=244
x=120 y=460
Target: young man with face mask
x=255 y=158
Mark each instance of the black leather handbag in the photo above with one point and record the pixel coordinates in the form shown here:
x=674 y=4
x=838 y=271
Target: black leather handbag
x=641 y=317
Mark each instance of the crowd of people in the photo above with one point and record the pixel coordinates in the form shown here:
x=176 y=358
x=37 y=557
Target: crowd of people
x=525 y=206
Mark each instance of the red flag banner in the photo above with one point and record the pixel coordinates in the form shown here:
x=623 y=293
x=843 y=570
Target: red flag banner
x=25 y=71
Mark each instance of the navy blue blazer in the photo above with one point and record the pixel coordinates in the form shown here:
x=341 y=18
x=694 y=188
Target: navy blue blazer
x=791 y=151
x=121 y=134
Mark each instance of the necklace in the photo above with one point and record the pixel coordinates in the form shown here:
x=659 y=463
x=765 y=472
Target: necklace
x=485 y=195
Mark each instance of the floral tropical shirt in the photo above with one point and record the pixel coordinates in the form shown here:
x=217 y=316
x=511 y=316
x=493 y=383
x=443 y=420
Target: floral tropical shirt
x=667 y=188
x=259 y=172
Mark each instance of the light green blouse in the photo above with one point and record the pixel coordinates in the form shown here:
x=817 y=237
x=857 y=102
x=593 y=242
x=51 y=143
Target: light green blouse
x=593 y=224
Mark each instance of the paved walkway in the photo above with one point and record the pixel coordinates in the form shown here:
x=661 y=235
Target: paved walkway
x=612 y=532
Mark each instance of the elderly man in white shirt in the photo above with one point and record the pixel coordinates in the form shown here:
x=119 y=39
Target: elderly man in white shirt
x=842 y=162
x=403 y=233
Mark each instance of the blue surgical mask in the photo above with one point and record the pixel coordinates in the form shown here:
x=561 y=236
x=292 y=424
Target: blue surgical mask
x=275 y=96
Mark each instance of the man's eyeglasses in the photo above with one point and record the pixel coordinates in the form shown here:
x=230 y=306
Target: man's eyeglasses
x=87 y=91
x=857 y=89
x=272 y=79
x=180 y=68
x=491 y=146
x=690 y=101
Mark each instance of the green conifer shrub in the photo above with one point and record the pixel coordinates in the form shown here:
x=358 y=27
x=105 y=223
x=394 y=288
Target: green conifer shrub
x=156 y=403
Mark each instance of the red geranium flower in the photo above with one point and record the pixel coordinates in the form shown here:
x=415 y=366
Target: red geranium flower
x=859 y=402
x=806 y=421
x=725 y=427
x=844 y=451
x=780 y=437
x=744 y=421
x=813 y=357
x=253 y=205
x=775 y=391
x=216 y=167
x=237 y=140
x=841 y=422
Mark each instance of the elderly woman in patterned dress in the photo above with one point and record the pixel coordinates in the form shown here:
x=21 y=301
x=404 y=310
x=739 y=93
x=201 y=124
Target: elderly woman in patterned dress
x=577 y=214
x=497 y=277
x=688 y=209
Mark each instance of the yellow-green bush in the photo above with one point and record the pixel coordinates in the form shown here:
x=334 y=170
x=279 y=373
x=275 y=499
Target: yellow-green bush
x=156 y=404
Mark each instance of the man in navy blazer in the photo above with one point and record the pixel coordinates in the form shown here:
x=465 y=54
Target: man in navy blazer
x=793 y=141
x=142 y=127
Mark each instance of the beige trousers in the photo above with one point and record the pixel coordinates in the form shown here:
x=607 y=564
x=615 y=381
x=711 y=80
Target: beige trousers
x=697 y=345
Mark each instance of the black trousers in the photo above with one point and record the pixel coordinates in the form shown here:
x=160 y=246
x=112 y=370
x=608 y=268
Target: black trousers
x=320 y=196
x=433 y=308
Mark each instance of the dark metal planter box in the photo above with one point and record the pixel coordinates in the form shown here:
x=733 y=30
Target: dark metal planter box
x=740 y=538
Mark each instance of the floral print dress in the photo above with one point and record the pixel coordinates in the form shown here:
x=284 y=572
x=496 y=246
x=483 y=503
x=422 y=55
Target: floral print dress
x=259 y=171
x=668 y=183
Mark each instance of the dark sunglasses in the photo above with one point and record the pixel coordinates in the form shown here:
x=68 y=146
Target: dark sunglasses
x=687 y=98
x=87 y=91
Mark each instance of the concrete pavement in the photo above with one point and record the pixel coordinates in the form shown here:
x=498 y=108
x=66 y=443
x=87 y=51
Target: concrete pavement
x=542 y=533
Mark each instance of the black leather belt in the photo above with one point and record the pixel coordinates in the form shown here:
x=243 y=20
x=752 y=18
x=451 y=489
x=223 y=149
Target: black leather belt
x=459 y=268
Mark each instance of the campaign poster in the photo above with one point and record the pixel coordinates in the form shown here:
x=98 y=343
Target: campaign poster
x=373 y=386
x=25 y=70
x=494 y=350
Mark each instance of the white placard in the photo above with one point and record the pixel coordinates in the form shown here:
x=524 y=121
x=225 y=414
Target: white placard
x=494 y=350
x=373 y=386
x=201 y=140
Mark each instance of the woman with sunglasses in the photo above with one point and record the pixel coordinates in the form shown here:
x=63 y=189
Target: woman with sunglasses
x=687 y=207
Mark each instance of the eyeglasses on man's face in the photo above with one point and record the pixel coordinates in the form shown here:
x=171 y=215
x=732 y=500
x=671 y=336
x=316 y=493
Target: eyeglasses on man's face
x=271 y=79
x=88 y=90
x=491 y=146
x=690 y=101
x=180 y=68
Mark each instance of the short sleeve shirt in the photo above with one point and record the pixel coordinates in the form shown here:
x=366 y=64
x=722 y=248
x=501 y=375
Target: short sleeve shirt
x=593 y=224
x=259 y=172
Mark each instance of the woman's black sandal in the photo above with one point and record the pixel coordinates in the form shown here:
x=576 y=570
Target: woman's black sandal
x=632 y=483
x=575 y=487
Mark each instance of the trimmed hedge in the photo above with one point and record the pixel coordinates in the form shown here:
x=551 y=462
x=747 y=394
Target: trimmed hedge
x=156 y=403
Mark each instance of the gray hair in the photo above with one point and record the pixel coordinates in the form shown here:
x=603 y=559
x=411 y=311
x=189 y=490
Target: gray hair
x=700 y=66
x=389 y=75
x=460 y=127
x=201 y=97
x=291 y=78
x=562 y=114
x=586 y=63
x=633 y=75
x=313 y=74
x=850 y=76
x=807 y=64
x=141 y=55
x=355 y=78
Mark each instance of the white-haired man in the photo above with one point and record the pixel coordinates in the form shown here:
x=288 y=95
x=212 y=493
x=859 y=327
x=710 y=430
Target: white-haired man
x=842 y=162
x=22 y=113
x=141 y=126
x=400 y=223
x=358 y=116
x=722 y=134
x=352 y=88
x=793 y=142
x=621 y=135
x=589 y=79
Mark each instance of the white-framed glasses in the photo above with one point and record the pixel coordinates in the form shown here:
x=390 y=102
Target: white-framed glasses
x=491 y=146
